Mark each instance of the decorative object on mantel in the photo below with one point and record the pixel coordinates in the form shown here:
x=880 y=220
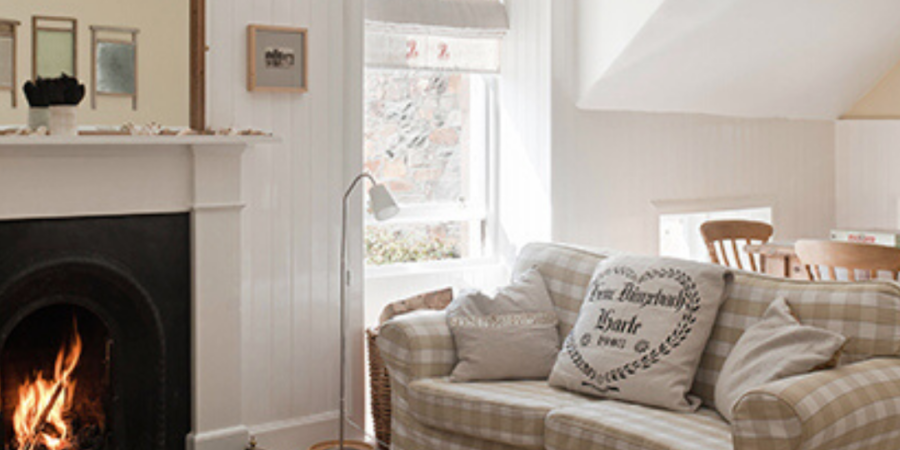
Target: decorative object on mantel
x=130 y=129
x=114 y=63
x=8 y=44
x=276 y=59
x=38 y=106
x=383 y=208
x=61 y=97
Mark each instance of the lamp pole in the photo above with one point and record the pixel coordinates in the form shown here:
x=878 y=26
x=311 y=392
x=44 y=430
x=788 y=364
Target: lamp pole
x=384 y=207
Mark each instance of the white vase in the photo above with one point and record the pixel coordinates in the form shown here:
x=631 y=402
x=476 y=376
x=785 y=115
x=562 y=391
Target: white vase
x=38 y=117
x=62 y=120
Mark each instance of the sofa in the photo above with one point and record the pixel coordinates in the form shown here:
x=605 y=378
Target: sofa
x=853 y=406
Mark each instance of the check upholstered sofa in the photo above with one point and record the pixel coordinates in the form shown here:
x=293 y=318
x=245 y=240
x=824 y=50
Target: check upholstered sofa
x=855 y=406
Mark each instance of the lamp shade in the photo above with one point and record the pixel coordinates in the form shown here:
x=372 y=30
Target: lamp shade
x=382 y=202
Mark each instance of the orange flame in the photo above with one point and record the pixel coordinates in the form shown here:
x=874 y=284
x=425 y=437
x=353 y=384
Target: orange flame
x=41 y=414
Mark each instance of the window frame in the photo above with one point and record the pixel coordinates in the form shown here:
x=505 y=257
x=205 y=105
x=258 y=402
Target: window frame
x=483 y=210
x=708 y=206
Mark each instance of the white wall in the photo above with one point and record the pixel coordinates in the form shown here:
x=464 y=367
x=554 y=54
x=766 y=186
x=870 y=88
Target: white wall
x=525 y=135
x=882 y=102
x=745 y=58
x=292 y=218
x=867 y=186
x=610 y=168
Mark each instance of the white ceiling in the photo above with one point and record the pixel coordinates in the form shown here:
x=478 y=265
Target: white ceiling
x=808 y=59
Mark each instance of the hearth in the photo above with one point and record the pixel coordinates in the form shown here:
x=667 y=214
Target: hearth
x=95 y=320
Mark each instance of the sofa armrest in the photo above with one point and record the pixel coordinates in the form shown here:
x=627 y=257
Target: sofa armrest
x=417 y=345
x=855 y=406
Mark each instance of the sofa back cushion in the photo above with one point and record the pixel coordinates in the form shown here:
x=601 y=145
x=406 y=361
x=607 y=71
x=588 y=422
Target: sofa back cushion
x=867 y=313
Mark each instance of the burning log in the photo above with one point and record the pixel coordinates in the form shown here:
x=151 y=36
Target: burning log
x=35 y=433
x=42 y=407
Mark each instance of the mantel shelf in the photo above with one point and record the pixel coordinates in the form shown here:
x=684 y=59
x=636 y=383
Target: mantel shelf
x=127 y=140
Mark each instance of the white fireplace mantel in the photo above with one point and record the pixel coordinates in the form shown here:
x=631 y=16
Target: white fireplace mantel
x=44 y=177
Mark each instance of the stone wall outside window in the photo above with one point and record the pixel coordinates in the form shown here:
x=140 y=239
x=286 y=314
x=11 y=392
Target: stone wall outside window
x=417 y=142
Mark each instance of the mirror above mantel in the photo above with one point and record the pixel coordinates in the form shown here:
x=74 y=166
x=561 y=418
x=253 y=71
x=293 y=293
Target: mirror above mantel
x=140 y=61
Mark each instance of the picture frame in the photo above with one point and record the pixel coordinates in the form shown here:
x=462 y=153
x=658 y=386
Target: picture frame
x=277 y=59
x=8 y=56
x=114 y=63
x=54 y=46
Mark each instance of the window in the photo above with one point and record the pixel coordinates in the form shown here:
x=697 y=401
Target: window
x=679 y=234
x=428 y=137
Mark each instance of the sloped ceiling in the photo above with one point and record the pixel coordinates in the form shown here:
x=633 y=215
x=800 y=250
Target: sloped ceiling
x=810 y=59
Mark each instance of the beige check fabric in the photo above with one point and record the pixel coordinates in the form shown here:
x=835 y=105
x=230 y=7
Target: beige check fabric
x=854 y=407
x=567 y=272
x=417 y=345
x=614 y=425
x=510 y=412
x=868 y=314
x=848 y=408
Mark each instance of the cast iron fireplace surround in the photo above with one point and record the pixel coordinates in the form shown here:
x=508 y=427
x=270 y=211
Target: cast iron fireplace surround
x=129 y=277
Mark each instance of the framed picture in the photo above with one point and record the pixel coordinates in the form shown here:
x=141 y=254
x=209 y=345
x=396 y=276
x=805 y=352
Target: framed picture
x=8 y=57
x=276 y=59
x=54 y=47
x=114 y=63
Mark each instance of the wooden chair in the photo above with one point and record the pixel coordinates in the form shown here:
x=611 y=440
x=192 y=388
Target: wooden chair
x=732 y=233
x=853 y=257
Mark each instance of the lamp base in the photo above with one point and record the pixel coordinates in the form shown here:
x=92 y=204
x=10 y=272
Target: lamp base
x=336 y=445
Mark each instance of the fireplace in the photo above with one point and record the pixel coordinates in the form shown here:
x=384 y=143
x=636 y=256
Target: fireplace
x=95 y=322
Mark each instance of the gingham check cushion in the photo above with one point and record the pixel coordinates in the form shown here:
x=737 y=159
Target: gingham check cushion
x=511 y=412
x=848 y=408
x=614 y=425
x=867 y=314
x=567 y=272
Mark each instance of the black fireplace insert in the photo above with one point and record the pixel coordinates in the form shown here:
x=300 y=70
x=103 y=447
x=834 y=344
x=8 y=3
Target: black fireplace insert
x=95 y=320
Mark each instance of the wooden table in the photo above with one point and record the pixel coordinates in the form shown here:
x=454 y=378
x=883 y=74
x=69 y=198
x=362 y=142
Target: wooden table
x=779 y=259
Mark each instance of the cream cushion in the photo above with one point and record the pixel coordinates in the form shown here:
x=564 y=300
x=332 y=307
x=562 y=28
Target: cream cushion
x=641 y=332
x=776 y=347
x=508 y=337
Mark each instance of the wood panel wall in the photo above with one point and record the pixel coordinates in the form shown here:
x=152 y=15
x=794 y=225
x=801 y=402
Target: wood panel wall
x=867 y=187
x=292 y=217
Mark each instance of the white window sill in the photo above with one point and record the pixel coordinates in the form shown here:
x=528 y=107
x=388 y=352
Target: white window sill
x=431 y=268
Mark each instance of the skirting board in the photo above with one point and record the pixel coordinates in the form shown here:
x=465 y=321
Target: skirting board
x=292 y=434
x=235 y=438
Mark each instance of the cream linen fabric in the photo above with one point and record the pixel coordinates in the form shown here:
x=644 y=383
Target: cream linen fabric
x=642 y=330
x=777 y=347
x=510 y=336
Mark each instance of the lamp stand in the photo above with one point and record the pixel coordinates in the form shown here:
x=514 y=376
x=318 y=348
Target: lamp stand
x=342 y=443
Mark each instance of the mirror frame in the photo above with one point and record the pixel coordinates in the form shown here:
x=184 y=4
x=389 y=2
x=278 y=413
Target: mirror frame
x=198 y=64
x=36 y=28
x=10 y=29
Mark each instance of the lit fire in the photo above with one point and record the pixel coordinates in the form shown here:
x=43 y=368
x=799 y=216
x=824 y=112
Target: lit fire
x=42 y=414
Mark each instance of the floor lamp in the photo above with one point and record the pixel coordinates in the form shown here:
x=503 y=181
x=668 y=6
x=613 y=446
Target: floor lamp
x=383 y=208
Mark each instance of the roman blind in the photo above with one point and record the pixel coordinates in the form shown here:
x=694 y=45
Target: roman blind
x=453 y=35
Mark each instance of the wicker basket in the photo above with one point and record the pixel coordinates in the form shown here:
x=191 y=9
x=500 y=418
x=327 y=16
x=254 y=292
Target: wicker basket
x=378 y=375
